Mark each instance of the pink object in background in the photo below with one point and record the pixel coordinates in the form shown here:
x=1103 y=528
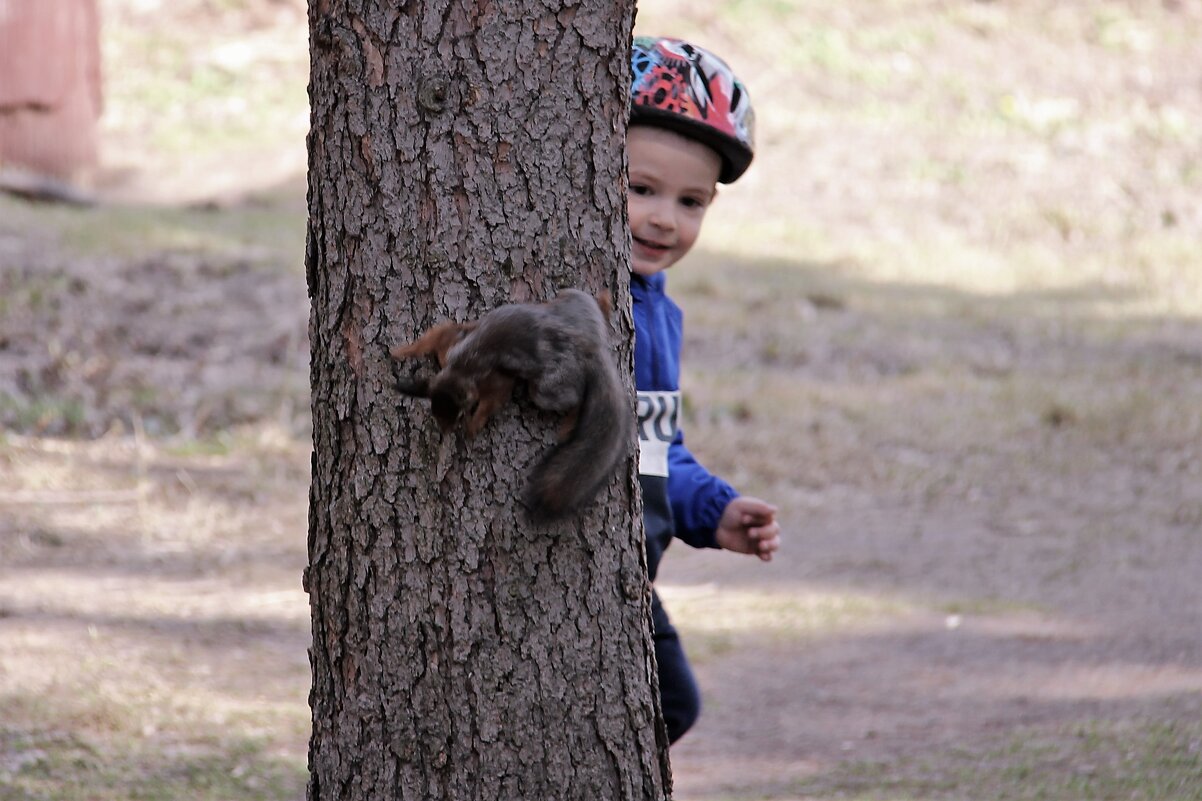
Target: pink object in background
x=50 y=86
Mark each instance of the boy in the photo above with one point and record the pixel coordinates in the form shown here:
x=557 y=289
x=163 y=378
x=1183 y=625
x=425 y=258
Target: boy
x=690 y=128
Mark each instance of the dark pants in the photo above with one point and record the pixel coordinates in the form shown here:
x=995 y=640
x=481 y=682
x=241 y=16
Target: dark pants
x=678 y=694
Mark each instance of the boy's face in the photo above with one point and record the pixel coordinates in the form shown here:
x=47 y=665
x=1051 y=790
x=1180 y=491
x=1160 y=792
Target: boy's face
x=672 y=183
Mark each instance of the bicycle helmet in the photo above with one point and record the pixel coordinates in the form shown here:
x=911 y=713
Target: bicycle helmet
x=689 y=90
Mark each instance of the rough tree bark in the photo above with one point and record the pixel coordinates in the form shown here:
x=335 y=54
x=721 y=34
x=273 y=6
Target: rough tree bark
x=465 y=154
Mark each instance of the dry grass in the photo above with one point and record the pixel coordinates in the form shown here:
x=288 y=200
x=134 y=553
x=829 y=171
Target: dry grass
x=154 y=624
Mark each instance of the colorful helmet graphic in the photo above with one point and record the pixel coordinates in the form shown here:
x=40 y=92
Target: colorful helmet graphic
x=687 y=89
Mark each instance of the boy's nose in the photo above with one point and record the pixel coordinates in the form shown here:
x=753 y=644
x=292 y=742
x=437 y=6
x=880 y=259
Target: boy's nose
x=662 y=217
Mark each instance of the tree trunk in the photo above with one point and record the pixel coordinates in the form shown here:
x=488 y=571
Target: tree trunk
x=464 y=155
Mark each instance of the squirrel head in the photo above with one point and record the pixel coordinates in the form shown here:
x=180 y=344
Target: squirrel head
x=450 y=396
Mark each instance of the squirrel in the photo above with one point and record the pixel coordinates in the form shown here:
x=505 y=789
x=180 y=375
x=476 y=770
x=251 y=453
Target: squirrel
x=560 y=349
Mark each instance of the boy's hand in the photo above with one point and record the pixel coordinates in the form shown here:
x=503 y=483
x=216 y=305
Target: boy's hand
x=748 y=525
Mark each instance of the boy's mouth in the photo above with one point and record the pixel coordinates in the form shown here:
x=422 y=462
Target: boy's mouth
x=655 y=246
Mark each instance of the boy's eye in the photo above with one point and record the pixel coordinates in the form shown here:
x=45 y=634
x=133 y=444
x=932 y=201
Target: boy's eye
x=692 y=202
x=640 y=189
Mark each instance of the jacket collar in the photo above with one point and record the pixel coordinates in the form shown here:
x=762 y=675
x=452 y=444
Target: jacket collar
x=655 y=283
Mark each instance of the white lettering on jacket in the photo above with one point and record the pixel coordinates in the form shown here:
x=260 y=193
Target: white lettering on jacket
x=658 y=417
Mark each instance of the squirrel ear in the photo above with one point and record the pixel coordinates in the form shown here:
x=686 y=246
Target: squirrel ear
x=605 y=302
x=438 y=340
x=449 y=335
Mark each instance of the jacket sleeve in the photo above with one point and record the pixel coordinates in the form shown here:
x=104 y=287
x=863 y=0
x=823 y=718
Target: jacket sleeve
x=698 y=497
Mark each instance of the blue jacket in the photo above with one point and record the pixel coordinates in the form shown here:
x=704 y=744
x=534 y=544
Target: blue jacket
x=680 y=497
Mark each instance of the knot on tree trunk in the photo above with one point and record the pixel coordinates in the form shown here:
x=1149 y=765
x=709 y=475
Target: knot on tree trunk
x=434 y=93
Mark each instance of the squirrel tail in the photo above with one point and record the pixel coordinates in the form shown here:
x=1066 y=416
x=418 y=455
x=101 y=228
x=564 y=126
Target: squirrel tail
x=575 y=470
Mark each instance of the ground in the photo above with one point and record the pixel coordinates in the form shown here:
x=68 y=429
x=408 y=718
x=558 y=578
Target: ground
x=949 y=323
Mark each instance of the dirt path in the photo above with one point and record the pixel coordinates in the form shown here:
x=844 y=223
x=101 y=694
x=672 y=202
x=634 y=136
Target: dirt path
x=990 y=575
x=933 y=689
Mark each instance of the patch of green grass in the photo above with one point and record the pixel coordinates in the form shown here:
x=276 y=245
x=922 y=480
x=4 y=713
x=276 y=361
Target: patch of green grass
x=783 y=615
x=56 y=766
x=1095 y=760
x=984 y=607
x=271 y=234
x=115 y=726
x=44 y=413
x=803 y=39
x=1118 y=28
x=195 y=96
x=24 y=292
x=218 y=444
x=1154 y=271
x=1043 y=116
